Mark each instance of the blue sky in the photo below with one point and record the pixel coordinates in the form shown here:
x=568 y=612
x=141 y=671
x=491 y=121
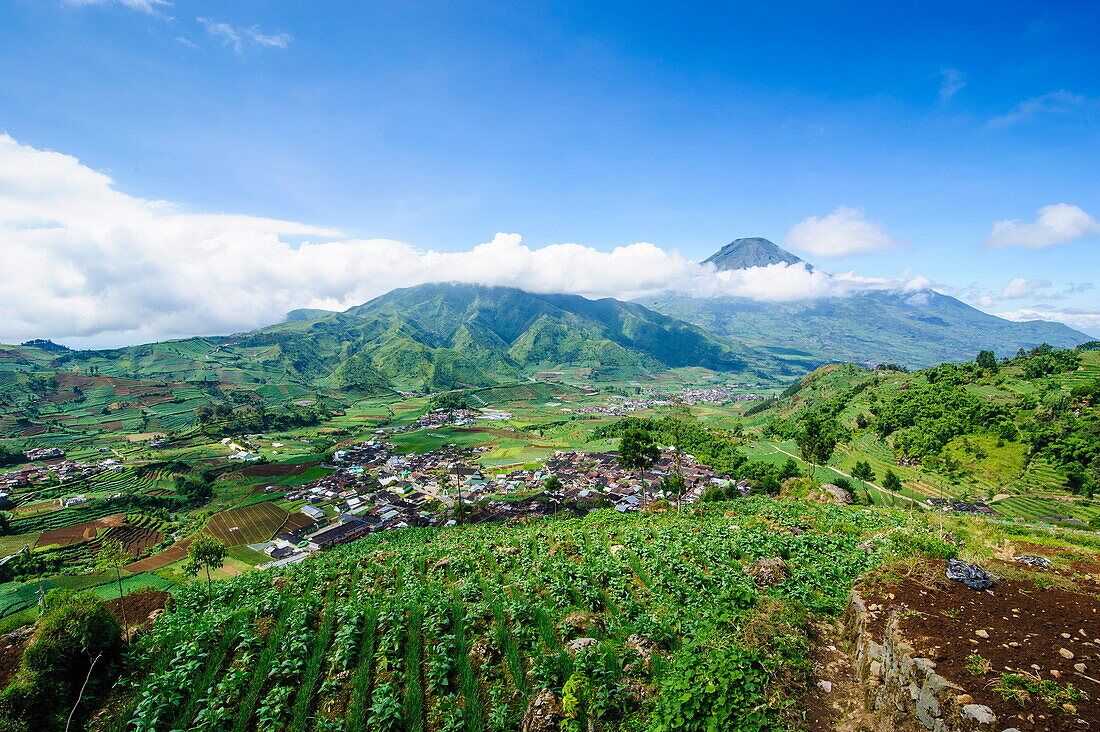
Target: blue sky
x=685 y=125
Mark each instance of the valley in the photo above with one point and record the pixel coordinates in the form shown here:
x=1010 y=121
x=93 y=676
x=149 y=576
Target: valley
x=556 y=542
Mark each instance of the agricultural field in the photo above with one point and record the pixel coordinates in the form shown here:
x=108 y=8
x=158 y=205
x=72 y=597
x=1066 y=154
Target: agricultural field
x=246 y=525
x=461 y=629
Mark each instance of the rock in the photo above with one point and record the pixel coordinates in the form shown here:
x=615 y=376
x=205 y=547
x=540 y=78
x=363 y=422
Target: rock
x=769 y=571
x=838 y=494
x=443 y=563
x=1069 y=708
x=615 y=549
x=979 y=713
x=577 y=645
x=482 y=652
x=279 y=582
x=1065 y=653
x=981 y=633
x=826 y=686
x=582 y=622
x=543 y=714
x=1079 y=668
x=645 y=647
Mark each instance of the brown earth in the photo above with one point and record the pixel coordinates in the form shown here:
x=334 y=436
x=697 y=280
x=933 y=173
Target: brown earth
x=1026 y=626
x=174 y=553
x=11 y=653
x=276 y=470
x=135 y=609
x=85 y=531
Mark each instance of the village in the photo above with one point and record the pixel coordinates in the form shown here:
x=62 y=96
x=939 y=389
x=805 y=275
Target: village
x=376 y=489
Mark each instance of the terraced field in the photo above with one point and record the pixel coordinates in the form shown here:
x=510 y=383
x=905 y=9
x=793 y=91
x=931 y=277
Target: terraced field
x=247 y=525
x=461 y=630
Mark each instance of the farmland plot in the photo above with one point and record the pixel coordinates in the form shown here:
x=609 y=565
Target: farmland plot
x=246 y=525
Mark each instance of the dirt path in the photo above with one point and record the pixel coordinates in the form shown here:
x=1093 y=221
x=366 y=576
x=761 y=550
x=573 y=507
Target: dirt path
x=837 y=470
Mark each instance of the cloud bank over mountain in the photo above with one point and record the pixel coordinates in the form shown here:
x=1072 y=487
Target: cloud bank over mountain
x=95 y=266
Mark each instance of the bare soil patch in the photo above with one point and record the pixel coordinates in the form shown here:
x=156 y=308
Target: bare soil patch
x=276 y=470
x=135 y=609
x=11 y=653
x=1040 y=625
x=84 y=531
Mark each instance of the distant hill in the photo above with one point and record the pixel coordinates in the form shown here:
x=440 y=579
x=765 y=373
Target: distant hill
x=751 y=252
x=915 y=329
x=433 y=337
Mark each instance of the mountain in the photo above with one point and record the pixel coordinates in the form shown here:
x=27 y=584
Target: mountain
x=914 y=329
x=750 y=252
x=433 y=337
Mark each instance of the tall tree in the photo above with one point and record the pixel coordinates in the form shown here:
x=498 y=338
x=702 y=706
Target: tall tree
x=113 y=555
x=817 y=438
x=206 y=553
x=987 y=360
x=638 y=452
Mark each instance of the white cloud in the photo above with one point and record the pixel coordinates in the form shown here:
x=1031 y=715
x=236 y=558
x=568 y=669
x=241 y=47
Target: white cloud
x=1056 y=224
x=843 y=232
x=98 y=267
x=1021 y=287
x=145 y=6
x=951 y=83
x=239 y=38
x=1059 y=102
x=1086 y=321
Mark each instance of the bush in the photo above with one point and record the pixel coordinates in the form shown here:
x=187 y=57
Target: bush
x=77 y=634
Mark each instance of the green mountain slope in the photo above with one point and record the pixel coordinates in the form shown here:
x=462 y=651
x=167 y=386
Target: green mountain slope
x=1024 y=428
x=915 y=329
x=428 y=338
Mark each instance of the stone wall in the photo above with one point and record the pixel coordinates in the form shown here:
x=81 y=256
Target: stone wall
x=903 y=690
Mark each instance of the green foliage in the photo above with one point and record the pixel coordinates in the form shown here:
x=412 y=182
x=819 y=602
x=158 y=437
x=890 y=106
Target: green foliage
x=712 y=690
x=637 y=450
x=448 y=401
x=76 y=639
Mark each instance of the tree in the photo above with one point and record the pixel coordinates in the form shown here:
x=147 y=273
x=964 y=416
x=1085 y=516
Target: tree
x=986 y=360
x=891 y=482
x=552 y=484
x=863 y=471
x=113 y=555
x=637 y=452
x=817 y=437
x=207 y=553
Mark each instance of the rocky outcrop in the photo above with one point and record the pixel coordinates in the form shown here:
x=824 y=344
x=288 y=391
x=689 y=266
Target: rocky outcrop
x=903 y=690
x=768 y=571
x=543 y=714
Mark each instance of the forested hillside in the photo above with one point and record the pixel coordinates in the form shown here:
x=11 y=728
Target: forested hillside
x=1019 y=426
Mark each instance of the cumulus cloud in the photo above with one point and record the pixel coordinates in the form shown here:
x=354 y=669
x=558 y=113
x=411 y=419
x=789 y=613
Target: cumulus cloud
x=239 y=38
x=1056 y=224
x=845 y=231
x=951 y=83
x=145 y=6
x=98 y=267
x=1060 y=102
x=1086 y=321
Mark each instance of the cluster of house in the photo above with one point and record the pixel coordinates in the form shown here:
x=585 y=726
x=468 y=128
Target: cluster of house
x=63 y=472
x=375 y=489
x=962 y=506
x=44 y=453
x=445 y=417
x=712 y=395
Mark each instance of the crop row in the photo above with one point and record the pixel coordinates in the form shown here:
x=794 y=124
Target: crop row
x=427 y=630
